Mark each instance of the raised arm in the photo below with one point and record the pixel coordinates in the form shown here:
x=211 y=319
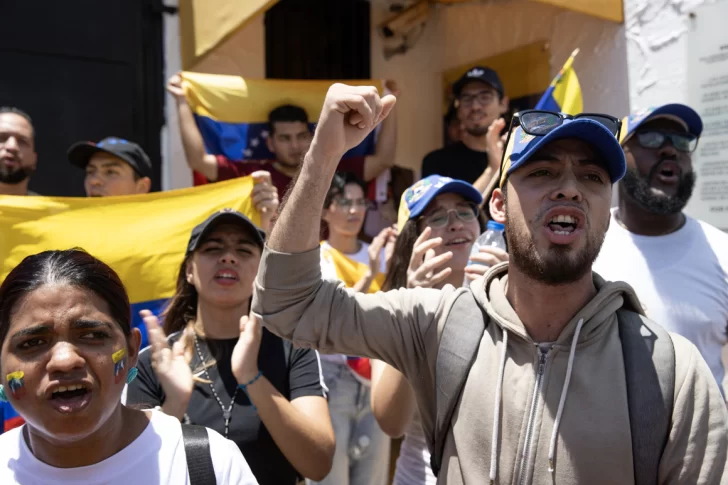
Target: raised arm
x=290 y=296
x=392 y=399
x=197 y=158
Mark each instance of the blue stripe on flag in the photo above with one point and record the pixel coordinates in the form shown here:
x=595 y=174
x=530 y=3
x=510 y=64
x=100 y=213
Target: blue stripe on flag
x=247 y=141
x=154 y=306
x=547 y=101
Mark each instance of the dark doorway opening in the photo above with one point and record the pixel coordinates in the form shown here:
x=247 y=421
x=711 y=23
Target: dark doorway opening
x=318 y=39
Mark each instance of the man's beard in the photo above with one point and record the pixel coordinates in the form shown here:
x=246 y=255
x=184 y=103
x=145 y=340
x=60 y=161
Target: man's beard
x=639 y=189
x=559 y=266
x=15 y=176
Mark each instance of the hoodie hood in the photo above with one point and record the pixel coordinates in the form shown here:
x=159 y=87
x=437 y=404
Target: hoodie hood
x=490 y=293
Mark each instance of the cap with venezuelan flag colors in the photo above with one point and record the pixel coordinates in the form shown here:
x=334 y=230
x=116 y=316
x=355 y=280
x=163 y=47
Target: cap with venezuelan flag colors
x=684 y=115
x=522 y=146
x=418 y=196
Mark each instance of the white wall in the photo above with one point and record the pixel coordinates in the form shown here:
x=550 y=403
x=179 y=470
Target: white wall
x=657 y=50
x=459 y=34
x=243 y=54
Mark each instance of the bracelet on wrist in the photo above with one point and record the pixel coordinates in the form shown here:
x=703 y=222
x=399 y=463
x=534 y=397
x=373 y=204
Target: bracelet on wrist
x=244 y=387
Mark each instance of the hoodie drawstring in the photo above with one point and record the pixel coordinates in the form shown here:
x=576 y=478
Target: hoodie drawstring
x=562 y=401
x=496 y=414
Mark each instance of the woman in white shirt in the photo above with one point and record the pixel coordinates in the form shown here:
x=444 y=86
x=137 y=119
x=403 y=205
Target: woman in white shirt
x=67 y=351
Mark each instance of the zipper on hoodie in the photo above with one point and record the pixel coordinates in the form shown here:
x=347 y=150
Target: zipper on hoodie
x=532 y=415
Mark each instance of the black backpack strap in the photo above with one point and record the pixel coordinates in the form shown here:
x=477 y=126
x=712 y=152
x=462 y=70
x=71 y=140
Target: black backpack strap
x=649 y=364
x=459 y=342
x=197 y=451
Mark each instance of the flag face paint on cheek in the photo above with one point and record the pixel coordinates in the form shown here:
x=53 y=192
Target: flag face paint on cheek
x=118 y=359
x=15 y=383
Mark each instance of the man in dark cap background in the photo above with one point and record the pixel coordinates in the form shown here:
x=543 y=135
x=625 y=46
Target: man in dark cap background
x=480 y=101
x=113 y=166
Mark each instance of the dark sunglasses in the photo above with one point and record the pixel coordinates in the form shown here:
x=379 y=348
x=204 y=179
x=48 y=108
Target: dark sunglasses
x=684 y=142
x=537 y=122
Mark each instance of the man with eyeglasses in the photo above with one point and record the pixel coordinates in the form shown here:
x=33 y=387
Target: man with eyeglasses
x=480 y=101
x=677 y=264
x=522 y=377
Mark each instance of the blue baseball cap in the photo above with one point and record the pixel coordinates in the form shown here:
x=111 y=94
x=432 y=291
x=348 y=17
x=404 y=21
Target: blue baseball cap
x=522 y=146
x=417 y=197
x=685 y=115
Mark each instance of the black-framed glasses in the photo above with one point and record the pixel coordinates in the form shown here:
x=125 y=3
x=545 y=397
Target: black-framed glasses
x=684 y=142
x=441 y=217
x=482 y=97
x=538 y=122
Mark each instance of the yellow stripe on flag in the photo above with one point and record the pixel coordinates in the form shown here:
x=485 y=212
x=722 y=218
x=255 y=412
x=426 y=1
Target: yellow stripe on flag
x=567 y=90
x=232 y=99
x=143 y=237
x=350 y=271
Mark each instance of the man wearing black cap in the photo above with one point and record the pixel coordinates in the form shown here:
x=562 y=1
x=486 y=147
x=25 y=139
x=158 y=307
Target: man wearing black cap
x=113 y=166
x=479 y=101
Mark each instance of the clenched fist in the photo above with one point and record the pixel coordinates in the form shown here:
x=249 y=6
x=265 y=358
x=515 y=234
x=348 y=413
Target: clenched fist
x=349 y=114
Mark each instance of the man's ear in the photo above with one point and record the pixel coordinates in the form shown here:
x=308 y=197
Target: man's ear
x=269 y=142
x=144 y=185
x=498 y=206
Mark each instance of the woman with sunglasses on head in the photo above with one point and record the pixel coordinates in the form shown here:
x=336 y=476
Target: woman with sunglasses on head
x=226 y=372
x=68 y=349
x=362 y=448
x=439 y=221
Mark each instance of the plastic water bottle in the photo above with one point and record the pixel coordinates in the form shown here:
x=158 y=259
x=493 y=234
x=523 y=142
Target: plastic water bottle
x=493 y=236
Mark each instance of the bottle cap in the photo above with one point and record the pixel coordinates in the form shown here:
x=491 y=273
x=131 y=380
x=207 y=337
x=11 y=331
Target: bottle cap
x=495 y=226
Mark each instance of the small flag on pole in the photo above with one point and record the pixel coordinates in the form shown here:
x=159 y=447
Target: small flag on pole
x=564 y=93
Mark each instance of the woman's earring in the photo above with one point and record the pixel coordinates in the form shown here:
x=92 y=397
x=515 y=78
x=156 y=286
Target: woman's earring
x=131 y=375
x=3 y=397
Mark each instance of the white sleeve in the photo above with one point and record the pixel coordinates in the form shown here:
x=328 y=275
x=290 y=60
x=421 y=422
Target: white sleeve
x=227 y=460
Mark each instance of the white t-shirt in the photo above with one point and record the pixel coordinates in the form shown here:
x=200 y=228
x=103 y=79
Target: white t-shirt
x=681 y=279
x=328 y=272
x=156 y=457
x=413 y=464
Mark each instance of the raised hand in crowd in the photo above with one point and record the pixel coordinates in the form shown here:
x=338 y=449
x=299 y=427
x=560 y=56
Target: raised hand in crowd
x=174 y=87
x=487 y=257
x=265 y=198
x=382 y=243
x=245 y=354
x=171 y=365
x=494 y=146
x=425 y=263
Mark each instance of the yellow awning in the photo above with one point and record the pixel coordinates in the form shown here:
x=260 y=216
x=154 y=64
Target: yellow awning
x=205 y=24
x=604 y=9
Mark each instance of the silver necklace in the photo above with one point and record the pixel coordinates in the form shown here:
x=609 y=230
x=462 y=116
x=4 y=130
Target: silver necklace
x=226 y=413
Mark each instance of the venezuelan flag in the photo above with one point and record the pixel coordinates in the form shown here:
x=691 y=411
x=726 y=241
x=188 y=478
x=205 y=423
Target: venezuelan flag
x=143 y=237
x=564 y=93
x=232 y=112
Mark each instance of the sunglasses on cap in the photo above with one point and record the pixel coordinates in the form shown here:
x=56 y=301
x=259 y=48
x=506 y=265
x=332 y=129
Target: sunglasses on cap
x=684 y=142
x=538 y=122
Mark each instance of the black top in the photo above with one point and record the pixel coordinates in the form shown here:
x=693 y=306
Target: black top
x=455 y=161
x=293 y=372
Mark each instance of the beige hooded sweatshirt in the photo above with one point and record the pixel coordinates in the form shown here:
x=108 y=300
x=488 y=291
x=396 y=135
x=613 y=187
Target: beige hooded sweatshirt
x=515 y=387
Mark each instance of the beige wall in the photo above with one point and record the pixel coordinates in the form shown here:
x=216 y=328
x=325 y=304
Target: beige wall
x=458 y=34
